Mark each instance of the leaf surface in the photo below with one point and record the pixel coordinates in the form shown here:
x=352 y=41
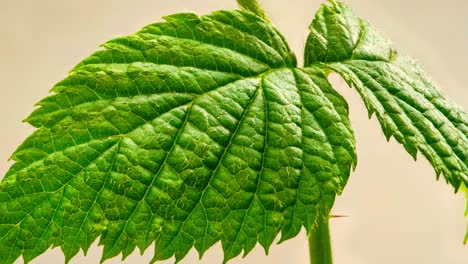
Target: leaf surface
x=192 y=131
x=407 y=105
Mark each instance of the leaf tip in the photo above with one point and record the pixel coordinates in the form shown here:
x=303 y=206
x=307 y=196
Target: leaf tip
x=102 y=260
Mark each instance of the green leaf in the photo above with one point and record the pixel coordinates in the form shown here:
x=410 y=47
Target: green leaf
x=189 y=132
x=414 y=113
x=407 y=105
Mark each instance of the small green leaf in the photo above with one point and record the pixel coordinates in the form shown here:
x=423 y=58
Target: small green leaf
x=413 y=112
x=192 y=131
x=337 y=35
x=408 y=106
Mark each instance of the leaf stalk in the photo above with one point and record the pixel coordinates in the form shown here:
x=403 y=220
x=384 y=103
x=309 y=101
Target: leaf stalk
x=319 y=243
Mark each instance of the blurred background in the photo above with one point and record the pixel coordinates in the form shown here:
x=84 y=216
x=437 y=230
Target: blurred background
x=398 y=212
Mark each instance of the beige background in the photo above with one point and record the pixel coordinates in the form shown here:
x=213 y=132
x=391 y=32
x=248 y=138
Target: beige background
x=398 y=212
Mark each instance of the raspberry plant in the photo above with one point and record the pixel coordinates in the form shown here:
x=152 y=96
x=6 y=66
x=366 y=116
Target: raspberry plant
x=203 y=129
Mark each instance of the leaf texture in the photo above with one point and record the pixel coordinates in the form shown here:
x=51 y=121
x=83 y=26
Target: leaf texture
x=408 y=106
x=192 y=131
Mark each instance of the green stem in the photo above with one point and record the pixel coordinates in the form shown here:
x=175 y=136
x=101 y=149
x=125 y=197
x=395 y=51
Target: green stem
x=254 y=7
x=319 y=243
